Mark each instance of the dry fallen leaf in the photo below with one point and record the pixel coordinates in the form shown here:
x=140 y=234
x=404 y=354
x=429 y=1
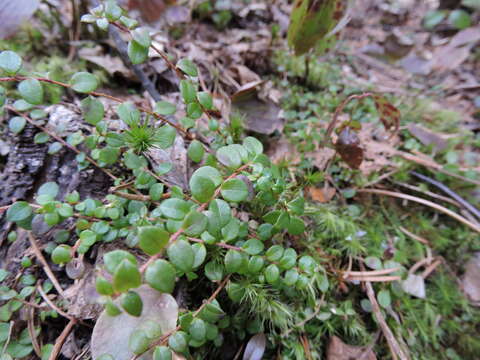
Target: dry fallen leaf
x=471 y=279
x=111 y=333
x=322 y=195
x=349 y=148
x=338 y=350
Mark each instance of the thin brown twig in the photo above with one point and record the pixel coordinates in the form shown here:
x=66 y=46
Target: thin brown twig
x=431 y=268
x=393 y=344
x=374 y=278
x=99 y=94
x=52 y=304
x=61 y=339
x=414 y=236
x=46 y=267
x=424 y=202
x=222 y=245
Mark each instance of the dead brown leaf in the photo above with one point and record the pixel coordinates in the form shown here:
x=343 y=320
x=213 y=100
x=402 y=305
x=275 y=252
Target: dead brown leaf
x=428 y=137
x=322 y=195
x=338 y=350
x=471 y=279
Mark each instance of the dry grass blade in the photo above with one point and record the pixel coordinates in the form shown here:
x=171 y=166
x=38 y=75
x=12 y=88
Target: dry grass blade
x=375 y=278
x=45 y=265
x=395 y=349
x=424 y=202
x=61 y=339
x=413 y=236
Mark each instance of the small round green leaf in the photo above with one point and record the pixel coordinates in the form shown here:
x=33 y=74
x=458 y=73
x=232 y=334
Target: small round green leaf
x=181 y=255
x=16 y=124
x=188 y=91
x=253 y=146
x=174 y=208
x=234 y=190
x=188 y=67
x=136 y=52
x=19 y=211
x=205 y=99
x=92 y=109
x=195 y=151
x=126 y=276
x=31 y=90
x=162 y=353
x=113 y=258
x=165 y=108
x=202 y=188
x=253 y=247
x=152 y=239
x=10 y=62
x=138 y=342
x=198 y=329
x=161 y=276
x=83 y=82
x=132 y=303
x=103 y=286
x=272 y=273
x=62 y=254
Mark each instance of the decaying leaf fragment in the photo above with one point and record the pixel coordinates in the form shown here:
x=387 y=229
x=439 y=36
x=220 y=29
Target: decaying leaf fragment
x=389 y=114
x=312 y=21
x=349 y=148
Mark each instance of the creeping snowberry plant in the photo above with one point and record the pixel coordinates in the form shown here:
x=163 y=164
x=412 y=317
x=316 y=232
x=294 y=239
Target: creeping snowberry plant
x=167 y=234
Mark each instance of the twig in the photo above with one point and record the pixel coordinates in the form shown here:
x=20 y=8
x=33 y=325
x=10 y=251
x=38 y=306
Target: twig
x=222 y=245
x=46 y=267
x=374 y=278
x=413 y=236
x=61 y=339
x=393 y=344
x=374 y=272
x=424 y=202
x=52 y=304
x=31 y=331
x=449 y=192
x=431 y=268
x=99 y=94
x=428 y=193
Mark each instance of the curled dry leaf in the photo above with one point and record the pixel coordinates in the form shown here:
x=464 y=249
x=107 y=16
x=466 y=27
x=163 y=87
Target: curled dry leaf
x=111 y=334
x=322 y=195
x=349 y=148
x=255 y=347
x=389 y=114
x=338 y=350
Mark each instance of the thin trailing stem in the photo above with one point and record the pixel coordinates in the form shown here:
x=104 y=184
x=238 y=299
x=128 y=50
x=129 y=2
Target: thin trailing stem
x=100 y=94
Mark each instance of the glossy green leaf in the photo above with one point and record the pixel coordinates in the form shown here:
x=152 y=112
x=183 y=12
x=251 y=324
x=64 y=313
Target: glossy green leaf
x=165 y=136
x=214 y=271
x=165 y=108
x=195 y=151
x=202 y=188
x=16 y=124
x=62 y=254
x=137 y=53
x=178 y=341
x=234 y=190
x=162 y=353
x=198 y=329
x=128 y=113
x=19 y=211
x=138 y=341
x=253 y=146
x=235 y=261
x=272 y=273
x=31 y=90
x=126 y=276
x=83 y=82
x=113 y=258
x=92 y=109
x=188 y=91
x=210 y=173
x=174 y=208
x=161 y=276
x=205 y=99
x=142 y=37
x=194 y=223
x=181 y=255
x=132 y=303
x=103 y=286
x=188 y=67
x=10 y=62
x=229 y=157
x=200 y=254
x=253 y=247
x=194 y=110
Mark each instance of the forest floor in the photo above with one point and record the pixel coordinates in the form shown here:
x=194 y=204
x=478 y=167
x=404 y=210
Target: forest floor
x=393 y=212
